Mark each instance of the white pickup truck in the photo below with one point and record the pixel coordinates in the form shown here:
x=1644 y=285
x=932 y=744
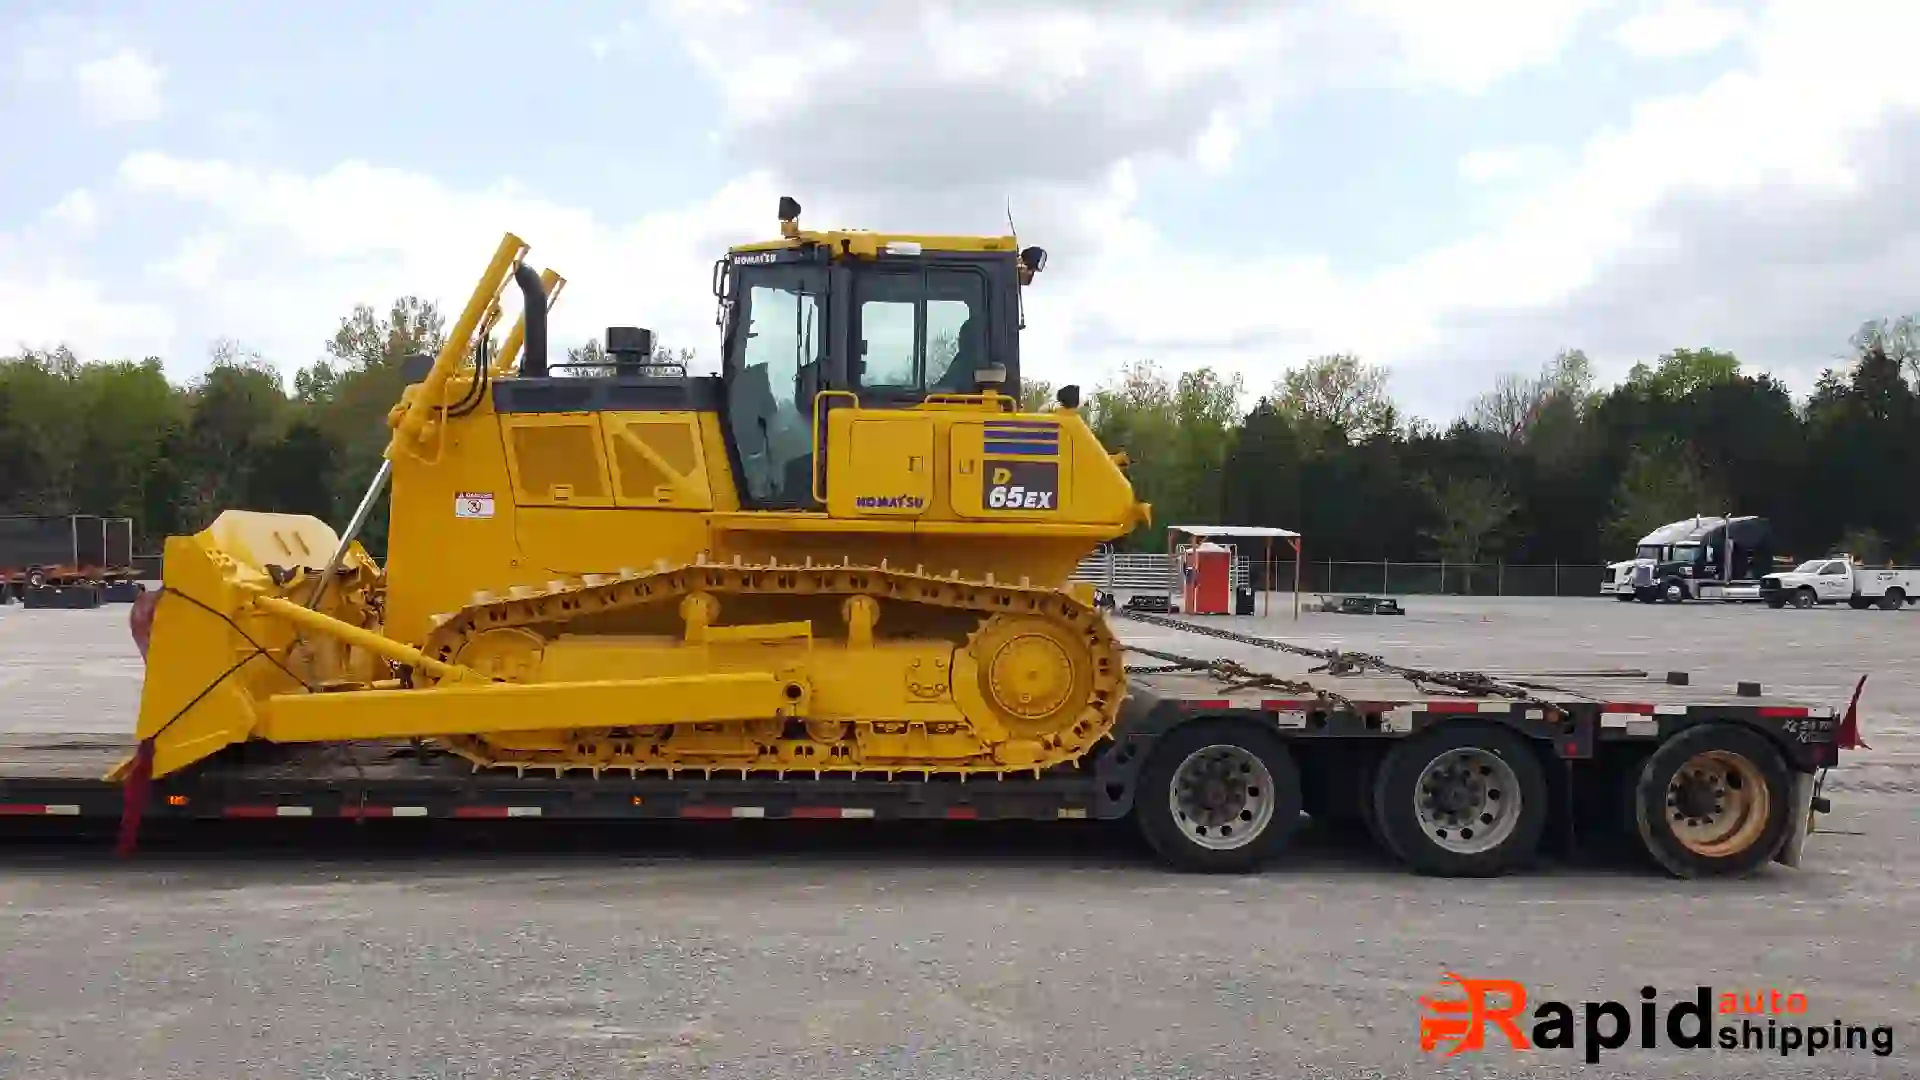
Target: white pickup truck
x=1838 y=578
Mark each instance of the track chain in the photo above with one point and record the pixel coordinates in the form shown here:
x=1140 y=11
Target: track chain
x=546 y=611
x=1333 y=662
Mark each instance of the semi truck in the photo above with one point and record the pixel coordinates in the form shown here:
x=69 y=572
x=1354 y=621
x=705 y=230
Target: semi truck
x=1840 y=579
x=1699 y=558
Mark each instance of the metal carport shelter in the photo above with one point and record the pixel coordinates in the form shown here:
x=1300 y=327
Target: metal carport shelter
x=1249 y=532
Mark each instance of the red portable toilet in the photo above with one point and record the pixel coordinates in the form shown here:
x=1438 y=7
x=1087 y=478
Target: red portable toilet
x=1207 y=570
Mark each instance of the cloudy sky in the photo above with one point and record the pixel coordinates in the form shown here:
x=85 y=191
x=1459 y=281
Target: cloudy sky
x=1451 y=189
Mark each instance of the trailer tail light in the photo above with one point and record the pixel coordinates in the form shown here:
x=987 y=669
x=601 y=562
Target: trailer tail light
x=140 y=620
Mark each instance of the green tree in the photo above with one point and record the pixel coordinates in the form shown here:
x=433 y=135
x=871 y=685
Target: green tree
x=1340 y=393
x=1663 y=483
x=1473 y=513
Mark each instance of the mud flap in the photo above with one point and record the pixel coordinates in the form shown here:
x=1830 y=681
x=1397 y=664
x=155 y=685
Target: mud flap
x=1801 y=803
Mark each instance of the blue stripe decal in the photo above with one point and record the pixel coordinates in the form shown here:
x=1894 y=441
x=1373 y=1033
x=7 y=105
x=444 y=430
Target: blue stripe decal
x=1028 y=425
x=1028 y=448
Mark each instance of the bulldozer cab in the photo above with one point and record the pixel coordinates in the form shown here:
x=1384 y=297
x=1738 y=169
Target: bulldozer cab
x=888 y=320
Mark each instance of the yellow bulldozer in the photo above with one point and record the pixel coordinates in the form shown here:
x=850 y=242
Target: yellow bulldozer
x=849 y=552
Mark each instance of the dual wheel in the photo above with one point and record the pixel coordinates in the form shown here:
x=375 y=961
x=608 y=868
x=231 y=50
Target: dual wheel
x=1464 y=799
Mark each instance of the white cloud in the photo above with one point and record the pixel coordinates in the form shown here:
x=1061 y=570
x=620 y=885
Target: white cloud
x=123 y=87
x=78 y=210
x=1501 y=163
x=1675 y=28
x=314 y=246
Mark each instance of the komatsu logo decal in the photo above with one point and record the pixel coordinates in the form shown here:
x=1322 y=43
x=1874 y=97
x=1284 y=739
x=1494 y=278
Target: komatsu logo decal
x=745 y=259
x=889 y=502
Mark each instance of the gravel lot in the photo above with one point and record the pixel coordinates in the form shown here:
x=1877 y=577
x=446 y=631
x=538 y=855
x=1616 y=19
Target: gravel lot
x=947 y=952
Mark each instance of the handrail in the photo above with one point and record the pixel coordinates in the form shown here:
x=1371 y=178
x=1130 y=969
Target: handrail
x=819 y=495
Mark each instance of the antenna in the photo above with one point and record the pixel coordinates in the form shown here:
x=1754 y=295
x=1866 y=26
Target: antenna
x=1020 y=295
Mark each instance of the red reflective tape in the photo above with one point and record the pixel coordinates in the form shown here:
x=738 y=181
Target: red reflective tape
x=250 y=811
x=962 y=813
x=817 y=812
x=1644 y=708
x=706 y=812
x=480 y=811
x=1284 y=705
x=22 y=809
x=1452 y=706
x=366 y=811
x=1782 y=712
x=1210 y=703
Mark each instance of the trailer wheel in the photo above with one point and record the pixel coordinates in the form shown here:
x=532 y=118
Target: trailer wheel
x=1219 y=796
x=1859 y=603
x=1465 y=799
x=1892 y=599
x=1804 y=597
x=36 y=578
x=1714 y=800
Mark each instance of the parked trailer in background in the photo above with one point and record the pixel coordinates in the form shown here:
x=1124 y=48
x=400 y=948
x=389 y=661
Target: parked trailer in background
x=1838 y=579
x=66 y=560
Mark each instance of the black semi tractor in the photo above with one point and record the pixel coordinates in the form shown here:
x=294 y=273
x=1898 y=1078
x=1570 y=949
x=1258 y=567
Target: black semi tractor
x=1699 y=558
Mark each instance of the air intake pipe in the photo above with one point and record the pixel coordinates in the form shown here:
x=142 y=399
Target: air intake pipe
x=533 y=362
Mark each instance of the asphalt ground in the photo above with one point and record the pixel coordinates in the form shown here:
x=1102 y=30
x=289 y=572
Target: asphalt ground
x=762 y=949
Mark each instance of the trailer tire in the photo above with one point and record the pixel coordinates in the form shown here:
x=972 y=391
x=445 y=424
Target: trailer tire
x=1776 y=601
x=36 y=578
x=1892 y=599
x=1859 y=603
x=1735 y=783
x=1489 y=779
x=1247 y=783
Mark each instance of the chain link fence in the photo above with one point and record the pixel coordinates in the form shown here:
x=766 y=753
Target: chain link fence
x=1136 y=572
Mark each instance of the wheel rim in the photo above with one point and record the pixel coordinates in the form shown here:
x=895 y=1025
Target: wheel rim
x=1718 y=803
x=1467 y=800
x=1222 y=796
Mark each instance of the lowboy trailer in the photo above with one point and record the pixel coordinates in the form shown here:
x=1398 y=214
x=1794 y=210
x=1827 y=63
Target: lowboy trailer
x=1214 y=764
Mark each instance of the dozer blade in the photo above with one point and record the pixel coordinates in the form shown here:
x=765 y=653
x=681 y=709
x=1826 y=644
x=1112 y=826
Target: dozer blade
x=213 y=656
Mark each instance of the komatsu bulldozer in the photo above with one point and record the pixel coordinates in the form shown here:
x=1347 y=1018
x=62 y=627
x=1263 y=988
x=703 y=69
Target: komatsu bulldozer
x=848 y=552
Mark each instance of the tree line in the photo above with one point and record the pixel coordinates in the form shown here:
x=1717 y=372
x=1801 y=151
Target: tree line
x=1543 y=468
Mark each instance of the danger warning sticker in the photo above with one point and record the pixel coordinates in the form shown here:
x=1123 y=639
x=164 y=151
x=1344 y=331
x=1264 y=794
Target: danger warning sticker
x=473 y=504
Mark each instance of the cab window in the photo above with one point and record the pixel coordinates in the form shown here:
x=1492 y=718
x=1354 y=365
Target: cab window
x=920 y=331
x=777 y=338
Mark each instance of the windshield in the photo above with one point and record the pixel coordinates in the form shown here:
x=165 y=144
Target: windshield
x=776 y=338
x=1650 y=551
x=1810 y=567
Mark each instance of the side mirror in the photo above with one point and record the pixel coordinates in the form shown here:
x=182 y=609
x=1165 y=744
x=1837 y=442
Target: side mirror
x=1068 y=396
